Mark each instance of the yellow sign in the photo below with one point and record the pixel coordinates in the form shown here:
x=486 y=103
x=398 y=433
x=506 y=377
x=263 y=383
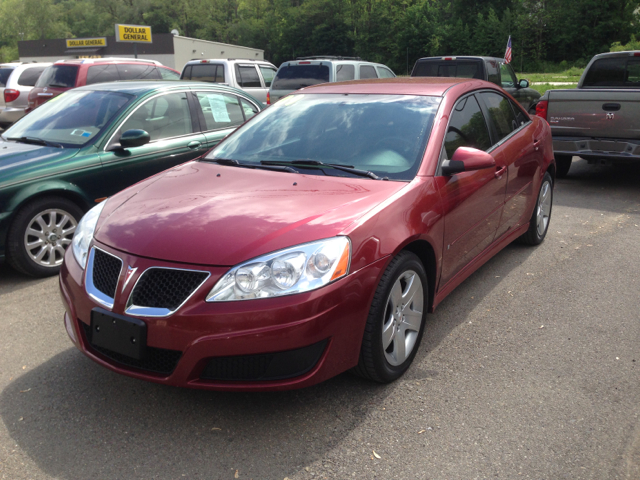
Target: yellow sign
x=133 y=33
x=86 y=42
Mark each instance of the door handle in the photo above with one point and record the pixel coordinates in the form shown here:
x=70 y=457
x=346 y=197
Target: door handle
x=536 y=144
x=194 y=144
x=501 y=172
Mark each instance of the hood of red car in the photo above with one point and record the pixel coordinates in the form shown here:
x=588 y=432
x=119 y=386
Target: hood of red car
x=208 y=214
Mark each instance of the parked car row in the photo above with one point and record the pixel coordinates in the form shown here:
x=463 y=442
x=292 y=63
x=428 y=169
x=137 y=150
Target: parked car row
x=224 y=248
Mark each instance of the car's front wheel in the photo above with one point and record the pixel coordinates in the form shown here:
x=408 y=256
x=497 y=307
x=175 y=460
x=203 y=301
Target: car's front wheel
x=396 y=320
x=40 y=234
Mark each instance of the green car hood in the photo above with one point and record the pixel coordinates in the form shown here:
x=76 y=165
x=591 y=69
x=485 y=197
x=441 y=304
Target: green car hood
x=20 y=161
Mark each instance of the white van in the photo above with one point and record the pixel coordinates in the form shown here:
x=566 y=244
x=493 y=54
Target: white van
x=252 y=76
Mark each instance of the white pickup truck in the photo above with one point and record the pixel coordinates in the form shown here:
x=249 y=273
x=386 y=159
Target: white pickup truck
x=600 y=120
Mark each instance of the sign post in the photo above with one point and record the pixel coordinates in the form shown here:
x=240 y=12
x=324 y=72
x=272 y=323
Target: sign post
x=133 y=34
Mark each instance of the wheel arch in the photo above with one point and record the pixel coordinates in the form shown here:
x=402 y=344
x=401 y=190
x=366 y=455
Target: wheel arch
x=426 y=253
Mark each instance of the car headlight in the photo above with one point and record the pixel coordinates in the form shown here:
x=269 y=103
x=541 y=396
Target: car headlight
x=293 y=270
x=84 y=234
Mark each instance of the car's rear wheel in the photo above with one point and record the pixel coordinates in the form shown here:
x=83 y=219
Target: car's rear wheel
x=396 y=320
x=40 y=234
x=539 y=223
x=563 y=164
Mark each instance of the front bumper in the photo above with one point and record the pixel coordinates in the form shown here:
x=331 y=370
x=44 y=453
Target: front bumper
x=11 y=114
x=598 y=148
x=322 y=330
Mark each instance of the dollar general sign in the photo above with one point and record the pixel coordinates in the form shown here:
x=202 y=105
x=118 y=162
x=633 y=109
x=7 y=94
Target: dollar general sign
x=133 y=33
x=86 y=42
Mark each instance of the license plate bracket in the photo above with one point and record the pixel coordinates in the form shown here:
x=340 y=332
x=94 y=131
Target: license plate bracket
x=118 y=333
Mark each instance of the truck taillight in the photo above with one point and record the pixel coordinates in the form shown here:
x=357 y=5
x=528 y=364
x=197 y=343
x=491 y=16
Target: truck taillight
x=10 y=95
x=268 y=98
x=541 y=109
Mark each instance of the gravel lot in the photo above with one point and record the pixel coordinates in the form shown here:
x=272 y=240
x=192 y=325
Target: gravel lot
x=528 y=370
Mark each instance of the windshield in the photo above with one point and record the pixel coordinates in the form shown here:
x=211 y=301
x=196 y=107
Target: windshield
x=71 y=119
x=295 y=77
x=383 y=134
x=58 y=76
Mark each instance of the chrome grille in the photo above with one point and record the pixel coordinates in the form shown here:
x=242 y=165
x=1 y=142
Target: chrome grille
x=161 y=291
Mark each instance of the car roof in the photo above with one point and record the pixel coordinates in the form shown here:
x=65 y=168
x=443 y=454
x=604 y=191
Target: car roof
x=100 y=61
x=462 y=57
x=395 y=86
x=197 y=61
x=141 y=87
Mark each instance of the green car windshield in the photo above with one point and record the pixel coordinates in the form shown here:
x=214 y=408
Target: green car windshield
x=71 y=119
x=383 y=134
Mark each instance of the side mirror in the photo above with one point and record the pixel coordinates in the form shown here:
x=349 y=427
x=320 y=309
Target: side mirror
x=524 y=83
x=466 y=159
x=134 y=138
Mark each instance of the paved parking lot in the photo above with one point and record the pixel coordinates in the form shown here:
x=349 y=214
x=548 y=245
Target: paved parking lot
x=528 y=370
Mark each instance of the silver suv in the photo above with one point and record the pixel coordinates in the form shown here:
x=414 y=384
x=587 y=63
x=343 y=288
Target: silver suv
x=252 y=76
x=307 y=71
x=16 y=81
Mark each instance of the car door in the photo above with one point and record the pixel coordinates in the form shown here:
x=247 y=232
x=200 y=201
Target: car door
x=174 y=136
x=220 y=113
x=514 y=141
x=248 y=79
x=472 y=201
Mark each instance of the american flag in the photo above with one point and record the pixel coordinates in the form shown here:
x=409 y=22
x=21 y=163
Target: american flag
x=507 y=54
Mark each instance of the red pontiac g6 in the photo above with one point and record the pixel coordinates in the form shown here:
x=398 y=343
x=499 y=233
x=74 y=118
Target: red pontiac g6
x=313 y=240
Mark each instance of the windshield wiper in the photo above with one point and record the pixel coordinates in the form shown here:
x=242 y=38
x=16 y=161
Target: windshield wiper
x=35 y=141
x=235 y=163
x=317 y=163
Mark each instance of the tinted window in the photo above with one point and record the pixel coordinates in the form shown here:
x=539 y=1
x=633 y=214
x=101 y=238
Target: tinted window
x=507 y=77
x=367 y=71
x=294 y=77
x=248 y=108
x=138 y=72
x=102 y=73
x=73 y=118
x=186 y=73
x=206 y=72
x=345 y=72
x=167 y=74
x=613 y=72
x=448 y=68
x=30 y=76
x=4 y=76
x=385 y=134
x=384 y=72
x=162 y=117
x=247 y=76
x=467 y=127
x=521 y=117
x=60 y=76
x=492 y=72
x=220 y=110
x=267 y=74
x=500 y=113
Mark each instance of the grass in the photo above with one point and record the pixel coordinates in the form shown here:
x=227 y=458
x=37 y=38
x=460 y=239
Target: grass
x=543 y=88
x=572 y=75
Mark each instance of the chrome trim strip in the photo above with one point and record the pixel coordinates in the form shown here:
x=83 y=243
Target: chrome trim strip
x=139 y=311
x=92 y=291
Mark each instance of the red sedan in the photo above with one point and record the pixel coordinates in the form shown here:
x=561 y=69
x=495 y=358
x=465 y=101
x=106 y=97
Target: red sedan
x=313 y=240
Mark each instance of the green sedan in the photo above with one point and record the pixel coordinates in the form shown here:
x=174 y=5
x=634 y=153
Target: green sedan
x=92 y=142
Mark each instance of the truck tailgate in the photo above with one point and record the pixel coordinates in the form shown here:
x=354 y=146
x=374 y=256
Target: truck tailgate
x=584 y=113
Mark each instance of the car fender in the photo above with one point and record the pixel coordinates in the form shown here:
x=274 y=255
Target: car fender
x=57 y=187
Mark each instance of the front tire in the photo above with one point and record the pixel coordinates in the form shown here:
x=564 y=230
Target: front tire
x=539 y=223
x=396 y=320
x=563 y=164
x=40 y=234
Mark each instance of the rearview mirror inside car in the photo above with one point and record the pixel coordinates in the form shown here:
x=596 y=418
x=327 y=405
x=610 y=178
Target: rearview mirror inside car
x=467 y=159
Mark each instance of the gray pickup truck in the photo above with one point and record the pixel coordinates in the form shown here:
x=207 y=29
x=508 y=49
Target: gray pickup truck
x=491 y=69
x=600 y=120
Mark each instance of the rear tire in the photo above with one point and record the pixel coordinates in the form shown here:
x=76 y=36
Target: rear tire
x=396 y=320
x=40 y=234
x=563 y=164
x=541 y=217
